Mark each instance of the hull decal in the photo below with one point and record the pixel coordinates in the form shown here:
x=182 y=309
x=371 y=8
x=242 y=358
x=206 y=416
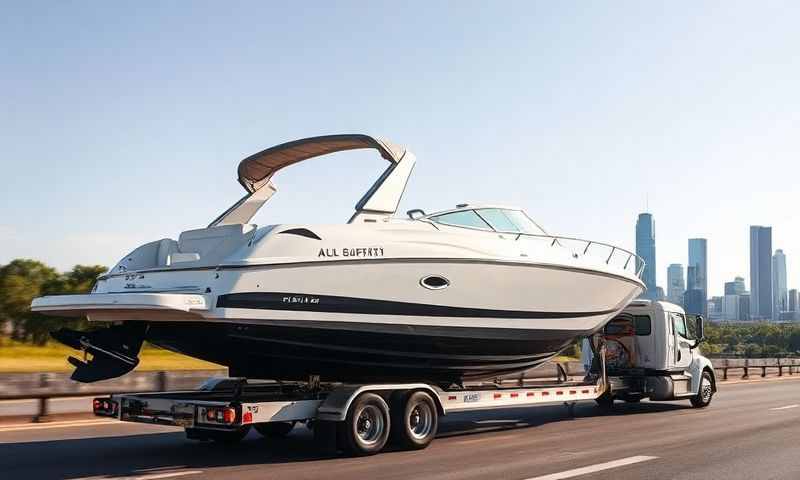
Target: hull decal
x=337 y=304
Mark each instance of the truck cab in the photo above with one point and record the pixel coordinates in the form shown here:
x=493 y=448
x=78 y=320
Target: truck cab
x=652 y=351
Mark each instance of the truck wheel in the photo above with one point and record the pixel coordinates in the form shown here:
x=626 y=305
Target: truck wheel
x=704 y=394
x=366 y=428
x=415 y=421
x=275 y=429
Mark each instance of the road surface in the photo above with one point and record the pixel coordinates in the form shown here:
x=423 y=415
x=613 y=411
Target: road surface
x=751 y=431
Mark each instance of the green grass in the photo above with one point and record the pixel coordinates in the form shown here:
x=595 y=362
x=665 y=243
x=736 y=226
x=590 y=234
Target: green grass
x=52 y=357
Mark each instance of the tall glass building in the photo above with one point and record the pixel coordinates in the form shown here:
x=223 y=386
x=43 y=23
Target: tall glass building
x=780 y=292
x=675 y=284
x=760 y=273
x=646 y=248
x=698 y=258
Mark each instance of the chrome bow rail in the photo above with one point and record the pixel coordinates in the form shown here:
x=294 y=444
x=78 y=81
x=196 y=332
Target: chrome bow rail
x=614 y=253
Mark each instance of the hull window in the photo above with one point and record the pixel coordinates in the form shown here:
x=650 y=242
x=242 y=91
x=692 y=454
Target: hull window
x=434 y=282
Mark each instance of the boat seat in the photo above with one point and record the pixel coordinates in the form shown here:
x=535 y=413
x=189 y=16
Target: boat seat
x=212 y=245
x=166 y=247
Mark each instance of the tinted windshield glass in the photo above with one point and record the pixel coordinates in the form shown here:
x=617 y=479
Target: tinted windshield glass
x=464 y=218
x=498 y=219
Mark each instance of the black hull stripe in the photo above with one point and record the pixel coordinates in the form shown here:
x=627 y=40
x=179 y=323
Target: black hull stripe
x=335 y=304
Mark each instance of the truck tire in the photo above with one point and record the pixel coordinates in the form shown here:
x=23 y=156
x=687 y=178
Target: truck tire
x=415 y=421
x=275 y=429
x=705 y=392
x=366 y=428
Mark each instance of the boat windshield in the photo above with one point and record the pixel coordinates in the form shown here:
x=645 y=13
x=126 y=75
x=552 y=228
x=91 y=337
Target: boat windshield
x=497 y=219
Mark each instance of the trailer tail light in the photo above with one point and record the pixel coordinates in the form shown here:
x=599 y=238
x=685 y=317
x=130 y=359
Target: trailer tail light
x=247 y=417
x=104 y=407
x=218 y=415
x=229 y=415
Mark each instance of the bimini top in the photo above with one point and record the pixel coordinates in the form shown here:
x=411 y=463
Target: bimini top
x=256 y=171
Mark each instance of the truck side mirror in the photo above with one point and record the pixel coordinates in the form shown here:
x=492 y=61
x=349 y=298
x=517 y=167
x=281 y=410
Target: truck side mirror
x=698 y=329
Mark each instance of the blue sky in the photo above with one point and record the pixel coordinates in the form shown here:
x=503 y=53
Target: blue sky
x=122 y=122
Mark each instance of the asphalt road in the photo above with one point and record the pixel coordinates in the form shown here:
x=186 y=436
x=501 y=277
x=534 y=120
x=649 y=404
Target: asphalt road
x=750 y=431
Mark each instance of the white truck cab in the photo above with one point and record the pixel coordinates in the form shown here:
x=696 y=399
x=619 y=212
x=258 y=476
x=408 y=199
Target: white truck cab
x=652 y=352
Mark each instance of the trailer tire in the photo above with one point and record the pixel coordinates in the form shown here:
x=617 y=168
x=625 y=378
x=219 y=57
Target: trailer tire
x=415 y=421
x=366 y=427
x=705 y=392
x=275 y=429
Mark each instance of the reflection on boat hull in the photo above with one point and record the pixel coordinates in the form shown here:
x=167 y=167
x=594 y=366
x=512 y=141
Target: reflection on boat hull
x=363 y=352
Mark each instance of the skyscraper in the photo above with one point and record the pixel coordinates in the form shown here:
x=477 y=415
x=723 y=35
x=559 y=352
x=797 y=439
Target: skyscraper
x=760 y=272
x=698 y=258
x=646 y=248
x=794 y=300
x=675 y=284
x=736 y=287
x=780 y=294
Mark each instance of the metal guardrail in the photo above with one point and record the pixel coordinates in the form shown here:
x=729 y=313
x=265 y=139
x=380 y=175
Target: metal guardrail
x=792 y=365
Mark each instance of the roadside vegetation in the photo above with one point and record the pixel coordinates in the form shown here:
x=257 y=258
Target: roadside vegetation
x=25 y=344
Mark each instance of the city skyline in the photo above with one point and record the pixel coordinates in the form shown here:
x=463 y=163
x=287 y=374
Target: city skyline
x=769 y=299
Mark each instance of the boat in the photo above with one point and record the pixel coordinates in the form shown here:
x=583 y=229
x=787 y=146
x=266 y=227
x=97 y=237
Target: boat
x=468 y=293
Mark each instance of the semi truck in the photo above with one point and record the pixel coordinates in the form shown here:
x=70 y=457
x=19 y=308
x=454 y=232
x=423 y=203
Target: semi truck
x=649 y=351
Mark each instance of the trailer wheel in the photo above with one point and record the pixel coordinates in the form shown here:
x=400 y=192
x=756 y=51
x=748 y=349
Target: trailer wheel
x=366 y=428
x=415 y=421
x=704 y=394
x=275 y=429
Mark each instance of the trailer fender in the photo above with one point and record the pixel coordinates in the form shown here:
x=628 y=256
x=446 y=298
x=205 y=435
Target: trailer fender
x=335 y=406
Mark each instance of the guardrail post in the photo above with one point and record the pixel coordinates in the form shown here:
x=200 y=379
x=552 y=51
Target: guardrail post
x=162 y=381
x=763 y=371
x=43 y=413
x=725 y=373
x=746 y=370
x=780 y=368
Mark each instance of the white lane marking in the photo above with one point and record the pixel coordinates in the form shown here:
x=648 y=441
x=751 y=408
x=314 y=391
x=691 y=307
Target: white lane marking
x=786 y=407
x=594 y=468
x=42 y=426
x=155 y=476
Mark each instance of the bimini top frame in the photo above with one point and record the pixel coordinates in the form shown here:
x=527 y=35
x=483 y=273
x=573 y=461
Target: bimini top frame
x=256 y=171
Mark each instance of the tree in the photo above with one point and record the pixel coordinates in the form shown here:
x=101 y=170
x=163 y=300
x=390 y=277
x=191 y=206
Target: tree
x=23 y=280
x=20 y=282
